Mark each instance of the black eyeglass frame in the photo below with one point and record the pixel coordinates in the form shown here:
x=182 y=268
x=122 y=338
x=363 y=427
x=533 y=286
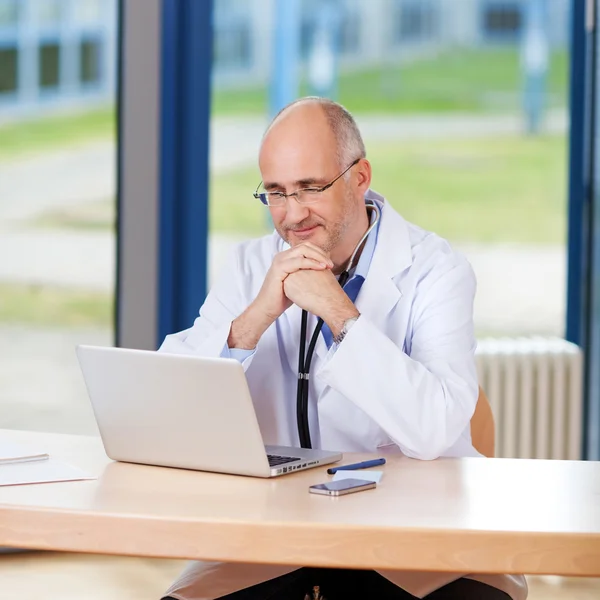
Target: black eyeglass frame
x=264 y=196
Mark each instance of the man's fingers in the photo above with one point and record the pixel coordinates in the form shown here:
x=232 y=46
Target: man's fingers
x=311 y=252
x=314 y=247
x=298 y=263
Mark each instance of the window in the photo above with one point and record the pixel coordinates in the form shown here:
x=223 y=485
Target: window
x=502 y=20
x=232 y=44
x=9 y=12
x=350 y=32
x=49 y=69
x=307 y=28
x=90 y=52
x=8 y=70
x=57 y=157
x=414 y=21
x=480 y=185
x=232 y=41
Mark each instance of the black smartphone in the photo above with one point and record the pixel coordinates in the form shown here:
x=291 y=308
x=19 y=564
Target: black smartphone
x=342 y=487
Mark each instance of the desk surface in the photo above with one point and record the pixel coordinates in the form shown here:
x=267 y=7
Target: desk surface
x=458 y=515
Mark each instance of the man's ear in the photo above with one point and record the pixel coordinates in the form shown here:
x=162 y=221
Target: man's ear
x=363 y=175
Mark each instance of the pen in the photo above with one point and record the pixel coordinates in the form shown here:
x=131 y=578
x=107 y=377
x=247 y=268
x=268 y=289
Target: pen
x=361 y=465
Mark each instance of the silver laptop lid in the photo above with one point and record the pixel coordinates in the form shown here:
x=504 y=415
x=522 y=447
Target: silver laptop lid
x=173 y=410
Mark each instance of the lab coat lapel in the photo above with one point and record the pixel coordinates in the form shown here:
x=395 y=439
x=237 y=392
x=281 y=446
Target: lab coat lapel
x=379 y=293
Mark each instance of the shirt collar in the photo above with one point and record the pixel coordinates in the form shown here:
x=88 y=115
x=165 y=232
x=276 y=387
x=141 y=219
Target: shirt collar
x=364 y=262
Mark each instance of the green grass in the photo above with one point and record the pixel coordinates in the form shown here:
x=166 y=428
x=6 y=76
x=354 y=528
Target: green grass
x=503 y=189
x=494 y=189
x=485 y=190
x=48 y=133
x=54 y=306
x=453 y=81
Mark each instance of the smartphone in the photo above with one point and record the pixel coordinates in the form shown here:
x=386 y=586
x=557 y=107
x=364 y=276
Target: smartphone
x=342 y=487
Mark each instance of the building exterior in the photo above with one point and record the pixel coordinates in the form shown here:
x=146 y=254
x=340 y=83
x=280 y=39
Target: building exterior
x=377 y=31
x=56 y=53
x=63 y=53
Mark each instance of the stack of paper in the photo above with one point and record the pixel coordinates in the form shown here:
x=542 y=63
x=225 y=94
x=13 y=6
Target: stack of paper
x=20 y=465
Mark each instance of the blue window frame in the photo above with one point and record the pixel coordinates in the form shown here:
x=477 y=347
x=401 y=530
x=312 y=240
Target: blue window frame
x=583 y=290
x=185 y=114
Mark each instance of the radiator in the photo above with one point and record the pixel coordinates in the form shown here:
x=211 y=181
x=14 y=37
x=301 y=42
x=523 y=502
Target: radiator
x=534 y=386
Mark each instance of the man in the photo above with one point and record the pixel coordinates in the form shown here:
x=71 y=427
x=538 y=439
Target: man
x=394 y=367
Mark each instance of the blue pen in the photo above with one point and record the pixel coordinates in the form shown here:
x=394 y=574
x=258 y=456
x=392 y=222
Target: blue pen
x=361 y=465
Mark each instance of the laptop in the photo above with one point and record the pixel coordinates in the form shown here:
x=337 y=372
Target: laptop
x=183 y=411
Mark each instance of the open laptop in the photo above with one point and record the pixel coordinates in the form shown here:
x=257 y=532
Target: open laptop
x=183 y=411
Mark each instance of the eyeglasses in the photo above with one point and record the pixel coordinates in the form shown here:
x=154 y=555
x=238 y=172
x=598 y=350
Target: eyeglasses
x=302 y=196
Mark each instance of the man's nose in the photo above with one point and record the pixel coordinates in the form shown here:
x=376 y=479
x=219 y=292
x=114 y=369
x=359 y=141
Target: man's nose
x=295 y=212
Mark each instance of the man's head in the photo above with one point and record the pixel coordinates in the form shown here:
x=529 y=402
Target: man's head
x=308 y=144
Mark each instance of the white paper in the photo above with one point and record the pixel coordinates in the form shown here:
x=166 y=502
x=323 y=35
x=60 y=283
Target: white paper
x=40 y=471
x=12 y=453
x=359 y=474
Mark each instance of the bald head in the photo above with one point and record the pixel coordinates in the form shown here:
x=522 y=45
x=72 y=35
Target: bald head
x=323 y=120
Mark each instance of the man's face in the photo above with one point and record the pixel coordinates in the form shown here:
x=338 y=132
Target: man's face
x=323 y=222
x=300 y=152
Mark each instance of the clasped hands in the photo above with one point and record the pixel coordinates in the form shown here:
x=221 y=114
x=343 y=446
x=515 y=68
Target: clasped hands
x=303 y=276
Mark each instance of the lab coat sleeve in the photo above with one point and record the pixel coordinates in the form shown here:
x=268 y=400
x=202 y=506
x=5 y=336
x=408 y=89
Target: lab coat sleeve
x=208 y=335
x=423 y=401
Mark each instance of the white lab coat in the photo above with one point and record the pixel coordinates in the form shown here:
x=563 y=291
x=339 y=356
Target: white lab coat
x=403 y=380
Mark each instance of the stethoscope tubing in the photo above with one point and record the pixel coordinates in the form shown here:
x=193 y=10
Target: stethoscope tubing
x=305 y=357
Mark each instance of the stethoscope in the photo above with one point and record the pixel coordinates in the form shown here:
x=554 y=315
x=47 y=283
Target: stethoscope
x=305 y=358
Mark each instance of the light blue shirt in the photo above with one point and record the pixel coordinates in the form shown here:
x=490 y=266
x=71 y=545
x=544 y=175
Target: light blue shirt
x=352 y=288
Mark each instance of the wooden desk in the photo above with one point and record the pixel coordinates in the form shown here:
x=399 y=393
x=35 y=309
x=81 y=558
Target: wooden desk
x=456 y=515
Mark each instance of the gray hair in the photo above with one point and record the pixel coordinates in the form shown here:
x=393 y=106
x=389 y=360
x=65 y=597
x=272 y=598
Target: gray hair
x=350 y=145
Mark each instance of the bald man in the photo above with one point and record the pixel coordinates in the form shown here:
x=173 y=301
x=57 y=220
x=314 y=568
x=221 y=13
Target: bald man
x=393 y=368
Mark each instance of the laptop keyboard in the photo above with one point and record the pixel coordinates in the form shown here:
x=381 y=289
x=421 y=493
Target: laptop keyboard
x=276 y=460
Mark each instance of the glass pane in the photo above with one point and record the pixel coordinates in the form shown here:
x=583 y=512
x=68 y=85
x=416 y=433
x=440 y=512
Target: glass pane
x=463 y=107
x=593 y=325
x=89 y=61
x=49 y=73
x=57 y=225
x=414 y=20
x=8 y=70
